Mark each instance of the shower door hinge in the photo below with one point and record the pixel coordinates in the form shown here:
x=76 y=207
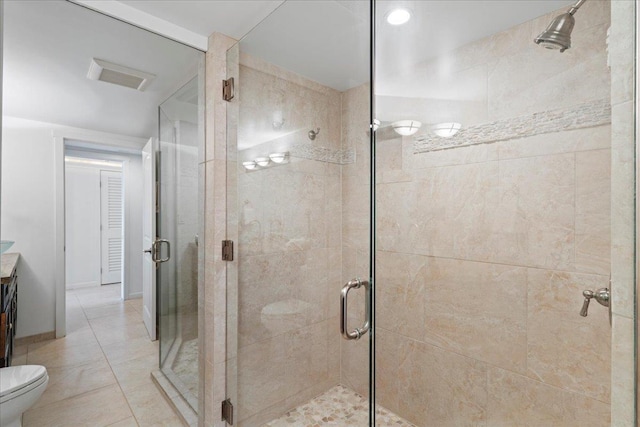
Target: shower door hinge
x=227 y=89
x=227 y=411
x=227 y=250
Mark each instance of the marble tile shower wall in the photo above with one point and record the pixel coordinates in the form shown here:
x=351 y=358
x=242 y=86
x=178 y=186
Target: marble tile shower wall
x=289 y=243
x=623 y=200
x=483 y=251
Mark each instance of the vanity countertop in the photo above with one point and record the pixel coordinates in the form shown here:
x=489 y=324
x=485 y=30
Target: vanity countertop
x=9 y=262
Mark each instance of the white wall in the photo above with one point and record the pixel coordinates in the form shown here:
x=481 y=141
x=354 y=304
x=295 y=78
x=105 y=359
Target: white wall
x=27 y=206
x=82 y=231
x=27 y=211
x=1 y=67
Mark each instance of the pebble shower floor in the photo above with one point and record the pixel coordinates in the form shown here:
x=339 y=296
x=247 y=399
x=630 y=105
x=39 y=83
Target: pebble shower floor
x=337 y=407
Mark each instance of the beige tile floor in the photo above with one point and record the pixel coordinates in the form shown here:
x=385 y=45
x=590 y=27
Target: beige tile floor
x=99 y=374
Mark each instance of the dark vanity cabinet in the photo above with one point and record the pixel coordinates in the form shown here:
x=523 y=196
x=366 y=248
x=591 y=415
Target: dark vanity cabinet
x=8 y=307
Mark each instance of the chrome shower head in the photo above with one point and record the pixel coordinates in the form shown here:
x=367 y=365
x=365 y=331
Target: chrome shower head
x=558 y=33
x=557 y=36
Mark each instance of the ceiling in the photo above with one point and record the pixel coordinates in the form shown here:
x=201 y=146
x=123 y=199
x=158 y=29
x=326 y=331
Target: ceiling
x=48 y=47
x=438 y=27
x=327 y=40
x=235 y=18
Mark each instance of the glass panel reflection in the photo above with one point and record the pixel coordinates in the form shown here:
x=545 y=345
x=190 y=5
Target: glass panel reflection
x=178 y=222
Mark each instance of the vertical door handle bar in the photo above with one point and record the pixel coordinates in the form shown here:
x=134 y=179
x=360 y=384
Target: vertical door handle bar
x=344 y=297
x=156 y=250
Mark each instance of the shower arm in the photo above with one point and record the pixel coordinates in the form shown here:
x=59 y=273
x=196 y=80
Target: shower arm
x=576 y=6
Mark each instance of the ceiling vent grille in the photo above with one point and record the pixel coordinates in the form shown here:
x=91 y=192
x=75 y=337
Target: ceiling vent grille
x=119 y=75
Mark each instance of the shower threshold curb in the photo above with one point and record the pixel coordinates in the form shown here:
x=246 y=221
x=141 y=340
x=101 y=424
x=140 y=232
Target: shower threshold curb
x=172 y=395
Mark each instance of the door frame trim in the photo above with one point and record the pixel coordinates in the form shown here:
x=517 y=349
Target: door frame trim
x=107 y=141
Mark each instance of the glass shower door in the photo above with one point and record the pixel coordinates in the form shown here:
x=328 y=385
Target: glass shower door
x=298 y=203
x=167 y=316
x=178 y=224
x=504 y=198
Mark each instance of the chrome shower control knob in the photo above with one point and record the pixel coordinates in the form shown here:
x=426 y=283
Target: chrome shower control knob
x=585 y=305
x=602 y=295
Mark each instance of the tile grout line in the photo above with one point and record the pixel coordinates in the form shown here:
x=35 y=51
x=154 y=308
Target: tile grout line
x=494 y=366
x=109 y=362
x=501 y=263
x=79 y=308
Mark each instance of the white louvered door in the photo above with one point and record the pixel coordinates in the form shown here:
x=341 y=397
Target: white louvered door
x=111 y=216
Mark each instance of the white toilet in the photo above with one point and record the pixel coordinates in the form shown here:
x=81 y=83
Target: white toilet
x=20 y=389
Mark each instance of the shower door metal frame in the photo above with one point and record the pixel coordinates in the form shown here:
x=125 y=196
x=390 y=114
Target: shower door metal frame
x=636 y=117
x=372 y=215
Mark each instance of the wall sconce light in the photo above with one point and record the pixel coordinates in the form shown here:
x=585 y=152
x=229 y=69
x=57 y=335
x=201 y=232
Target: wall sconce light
x=250 y=165
x=279 y=157
x=406 y=127
x=446 y=130
x=262 y=161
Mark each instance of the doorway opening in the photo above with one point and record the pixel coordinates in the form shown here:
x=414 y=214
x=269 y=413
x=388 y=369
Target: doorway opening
x=94 y=217
x=103 y=226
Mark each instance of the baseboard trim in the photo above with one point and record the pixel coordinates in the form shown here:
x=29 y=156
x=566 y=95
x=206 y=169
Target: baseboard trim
x=32 y=339
x=82 y=285
x=135 y=295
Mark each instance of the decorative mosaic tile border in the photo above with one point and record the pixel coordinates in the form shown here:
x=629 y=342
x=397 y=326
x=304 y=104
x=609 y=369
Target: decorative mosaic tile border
x=298 y=146
x=310 y=151
x=589 y=114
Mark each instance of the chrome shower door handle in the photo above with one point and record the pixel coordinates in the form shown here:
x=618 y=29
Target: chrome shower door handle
x=155 y=251
x=344 y=311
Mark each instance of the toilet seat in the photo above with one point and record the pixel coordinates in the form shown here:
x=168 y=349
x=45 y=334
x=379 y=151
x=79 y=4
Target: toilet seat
x=18 y=380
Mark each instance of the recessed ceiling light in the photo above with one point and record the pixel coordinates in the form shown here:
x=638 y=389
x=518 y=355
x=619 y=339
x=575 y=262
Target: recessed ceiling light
x=398 y=16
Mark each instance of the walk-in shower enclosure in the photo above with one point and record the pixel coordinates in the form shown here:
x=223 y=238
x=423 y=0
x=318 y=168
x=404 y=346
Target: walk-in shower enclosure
x=180 y=139
x=476 y=227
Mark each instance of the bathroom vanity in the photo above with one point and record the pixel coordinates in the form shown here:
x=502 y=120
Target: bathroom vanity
x=8 y=306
